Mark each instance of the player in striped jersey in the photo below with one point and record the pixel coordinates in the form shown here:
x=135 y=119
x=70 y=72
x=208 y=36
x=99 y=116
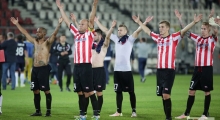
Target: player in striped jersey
x=166 y=47
x=82 y=73
x=202 y=78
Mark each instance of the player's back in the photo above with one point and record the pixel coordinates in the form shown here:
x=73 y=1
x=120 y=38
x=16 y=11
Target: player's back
x=20 y=52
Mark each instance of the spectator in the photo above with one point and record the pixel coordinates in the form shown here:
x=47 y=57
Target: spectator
x=208 y=4
x=142 y=51
x=9 y=47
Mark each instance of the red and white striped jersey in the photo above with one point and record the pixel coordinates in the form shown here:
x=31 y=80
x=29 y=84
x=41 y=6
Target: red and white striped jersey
x=166 y=49
x=204 y=49
x=83 y=45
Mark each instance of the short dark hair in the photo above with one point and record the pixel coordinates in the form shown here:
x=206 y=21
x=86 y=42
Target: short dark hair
x=4 y=36
x=123 y=25
x=143 y=39
x=99 y=31
x=206 y=24
x=165 y=22
x=10 y=34
x=43 y=29
x=19 y=37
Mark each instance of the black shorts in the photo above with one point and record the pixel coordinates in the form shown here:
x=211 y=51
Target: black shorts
x=40 y=78
x=99 y=79
x=123 y=81
x=165 y=79
x=82 y=75
x=20 y=67
x=202 y=79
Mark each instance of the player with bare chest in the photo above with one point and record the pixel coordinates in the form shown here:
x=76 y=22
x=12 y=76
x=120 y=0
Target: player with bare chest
x=41 y=70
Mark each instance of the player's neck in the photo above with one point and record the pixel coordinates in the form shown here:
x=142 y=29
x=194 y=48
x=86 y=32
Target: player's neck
x=41 y=40
x=205 y=36
x=165 y=35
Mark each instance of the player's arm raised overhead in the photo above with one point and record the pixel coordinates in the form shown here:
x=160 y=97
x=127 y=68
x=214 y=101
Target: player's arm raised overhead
x=179 y=16
x=136 y=32
x=63 y=14
x=23 y=31
x=103 y=28
x=53 y=36
x=92 y=14
x=190 y=25
x=107 y=38
x=73 y=18
x=144 y=27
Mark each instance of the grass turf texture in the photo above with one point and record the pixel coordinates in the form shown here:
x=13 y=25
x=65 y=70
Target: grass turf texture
x=18 y=104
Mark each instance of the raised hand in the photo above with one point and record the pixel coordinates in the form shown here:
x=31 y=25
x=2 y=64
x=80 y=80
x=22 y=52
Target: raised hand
x=136 y=18
x=148 y=19
x=60 y=20
x=178 y=15
x=96 y=19
x=72 y=17
x=95 y=1
x=217 y=20
x=211 y=13
x=114 y=22
x=14 y=21
x=197 y=18
x=59 y=5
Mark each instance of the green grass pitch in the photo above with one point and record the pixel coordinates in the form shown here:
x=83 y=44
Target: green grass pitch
x=18 y=104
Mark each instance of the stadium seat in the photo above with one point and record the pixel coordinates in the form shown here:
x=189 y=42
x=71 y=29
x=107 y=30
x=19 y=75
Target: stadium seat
x=28 y=21
x=16 y=12
x=54 y=7
x=38 y=6
x=30 y=5
x=70 y=7
x=83 y=15
x=78 y=7
x=50 y=15
x=42 y=14
x=4 y=22
x=86 y=7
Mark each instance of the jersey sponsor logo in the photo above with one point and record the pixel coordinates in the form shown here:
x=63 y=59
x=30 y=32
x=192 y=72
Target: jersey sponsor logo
x=164 y=44
x=203 y=45
x=80 y=39
x=87 y=88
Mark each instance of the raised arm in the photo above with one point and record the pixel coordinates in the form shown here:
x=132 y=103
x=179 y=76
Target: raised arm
x=63 y=14
x=92 y=14
x=53 y=36
x=22 y=30
x=73 y=18
x=190 y=25
x=107 y=38
x=179 y=16
x=144 y=27
x=103 y=28
x=136 y=32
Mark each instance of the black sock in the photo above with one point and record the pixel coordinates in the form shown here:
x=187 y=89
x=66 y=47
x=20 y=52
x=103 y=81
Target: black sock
x=207 y=104
x=81 y=104
x=190 y=102
x=94 y=104
x=133 y=101
x=37 y=99
x=48 y=102
x=164 y=106
x=86 y=104
x=119 y=99
x=100 y=102
x=168 y=106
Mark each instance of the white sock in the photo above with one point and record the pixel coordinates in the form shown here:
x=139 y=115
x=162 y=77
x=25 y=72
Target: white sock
x=22 y=78
x=16 y=79
x=1 y=98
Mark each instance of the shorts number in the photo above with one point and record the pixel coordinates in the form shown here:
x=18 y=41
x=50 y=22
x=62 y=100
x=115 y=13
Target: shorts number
x=74 y=86
x=191 y=85
x=20 y=51
x=115 y=87
x=158 y=88
x=32 y=85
